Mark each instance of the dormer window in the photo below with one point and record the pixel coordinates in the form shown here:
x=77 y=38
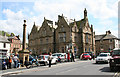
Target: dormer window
x=62 y=28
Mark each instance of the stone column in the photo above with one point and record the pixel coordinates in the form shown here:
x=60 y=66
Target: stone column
x=24 y=35
x=25 y=52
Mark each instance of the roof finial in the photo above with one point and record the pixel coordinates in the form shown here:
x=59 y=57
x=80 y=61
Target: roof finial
x=62 y=14
x=34 y=23
x=85 y=13
x=44 y=18
x=74 y=19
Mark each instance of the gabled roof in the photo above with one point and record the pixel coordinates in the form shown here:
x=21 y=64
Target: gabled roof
x=110 y=36
x=49 y=22
x=4 y=39
x=99 y=37
x=12 y=37
x=35 y=28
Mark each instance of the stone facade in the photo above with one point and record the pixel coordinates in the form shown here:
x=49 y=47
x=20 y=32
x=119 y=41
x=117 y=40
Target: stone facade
x=106 y=42
x=70 y=35
x=41 y=39
x=15 y=43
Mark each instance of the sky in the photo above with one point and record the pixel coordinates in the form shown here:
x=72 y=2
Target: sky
x=102 y=14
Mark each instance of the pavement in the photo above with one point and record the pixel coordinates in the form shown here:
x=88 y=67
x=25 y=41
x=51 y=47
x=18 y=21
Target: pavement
x=24 y=69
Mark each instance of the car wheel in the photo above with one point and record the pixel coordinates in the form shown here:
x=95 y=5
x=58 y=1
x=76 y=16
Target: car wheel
x=89 y=58
x=55 y=62
x=96 y=62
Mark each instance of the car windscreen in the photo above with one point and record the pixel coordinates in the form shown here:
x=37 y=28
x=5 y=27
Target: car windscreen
x=103 y=55
x=116 y=52
x=46 y=56
x=56 y=54
x=41 y=57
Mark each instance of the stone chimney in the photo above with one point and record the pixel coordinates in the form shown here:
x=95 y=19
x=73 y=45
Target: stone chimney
x=18 y=37
x=108 y=32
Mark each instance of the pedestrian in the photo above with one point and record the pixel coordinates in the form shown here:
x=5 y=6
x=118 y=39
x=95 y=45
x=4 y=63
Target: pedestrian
x=36 y=58
x=15 y=58
x=18 y=63
x=50 y=59
x=93 y=56
x=73 y=57
x=68 y=56
x=26 y=63
x=10 y=61
x=59 y=59
x=7 y=62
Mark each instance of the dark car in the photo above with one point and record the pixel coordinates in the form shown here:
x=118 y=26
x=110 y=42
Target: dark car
x=115 y=60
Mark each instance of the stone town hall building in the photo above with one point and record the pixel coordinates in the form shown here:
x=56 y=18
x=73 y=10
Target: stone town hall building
x=70 y=35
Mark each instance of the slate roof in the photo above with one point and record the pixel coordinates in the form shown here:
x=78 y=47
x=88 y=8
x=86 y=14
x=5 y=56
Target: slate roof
x=49 y=22
x=99 y=37
x=104 y=37
x=110 y=36
x=80 y=23
x=4 y=39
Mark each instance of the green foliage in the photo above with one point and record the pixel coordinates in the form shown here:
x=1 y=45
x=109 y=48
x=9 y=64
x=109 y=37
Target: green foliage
x=13 y=34
x=3 y=32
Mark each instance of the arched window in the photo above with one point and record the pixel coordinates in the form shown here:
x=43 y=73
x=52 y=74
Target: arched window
x=75 y=29
x=86 y=38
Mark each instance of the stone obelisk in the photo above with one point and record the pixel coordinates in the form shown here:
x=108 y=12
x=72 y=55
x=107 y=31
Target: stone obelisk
x=24 y=54
x=24 y=35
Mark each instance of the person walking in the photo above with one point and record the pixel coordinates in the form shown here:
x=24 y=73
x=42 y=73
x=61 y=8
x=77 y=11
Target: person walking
x=50 y=59
x=73 y=55
x=68 y=56
x=7 y=62
x=26 y=63
x=10 y=61
x=15 y=58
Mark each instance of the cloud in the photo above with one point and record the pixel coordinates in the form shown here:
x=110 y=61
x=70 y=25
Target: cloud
x=103 y=10
x=13 y=22
x=97 y=8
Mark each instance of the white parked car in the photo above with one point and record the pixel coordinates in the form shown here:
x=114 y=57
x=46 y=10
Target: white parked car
x=43 y=59
x=103 y=57
x=63 y=56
